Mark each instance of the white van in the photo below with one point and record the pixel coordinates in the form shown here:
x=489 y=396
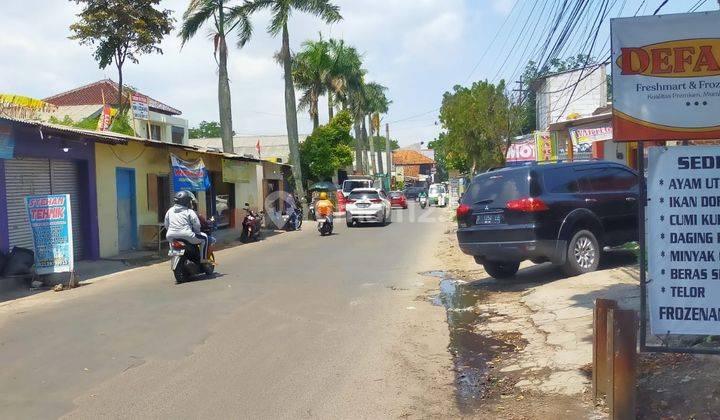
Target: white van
x=350 y=184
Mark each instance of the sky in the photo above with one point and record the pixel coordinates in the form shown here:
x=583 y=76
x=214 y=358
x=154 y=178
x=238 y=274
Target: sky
x=419 y=49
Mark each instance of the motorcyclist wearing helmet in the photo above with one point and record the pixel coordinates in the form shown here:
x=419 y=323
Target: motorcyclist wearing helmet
x=182 y=223
x=324 y=207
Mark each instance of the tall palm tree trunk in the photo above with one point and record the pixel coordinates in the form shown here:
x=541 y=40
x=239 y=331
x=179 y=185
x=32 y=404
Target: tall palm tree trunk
x=366 y=162
x=358 y=147
x=224 y=99
x=372 y=146
x=291 y=113
x=315 y=110
x=331 y=110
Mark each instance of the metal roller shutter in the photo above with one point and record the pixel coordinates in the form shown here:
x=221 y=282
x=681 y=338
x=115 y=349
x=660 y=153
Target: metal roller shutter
x=41 y=176
x=65 y=177
x=24 y=177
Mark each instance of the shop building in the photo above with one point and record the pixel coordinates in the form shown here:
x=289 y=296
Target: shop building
x=135 y=189
x=42 y=158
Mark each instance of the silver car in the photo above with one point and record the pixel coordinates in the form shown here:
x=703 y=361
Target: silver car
x=367 y=205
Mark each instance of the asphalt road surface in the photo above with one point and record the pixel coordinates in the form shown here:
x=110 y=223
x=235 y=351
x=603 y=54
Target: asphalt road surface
x=297 y=325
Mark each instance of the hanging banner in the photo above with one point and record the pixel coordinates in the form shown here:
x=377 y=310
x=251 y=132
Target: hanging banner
x=546 y=147
x=683 y=232
x=7 y=143
x=140 y=108
x=105 y=119
x=51 y=224
x=235 y=171
x=191 y=176
x=666 y=77
x=523 y=149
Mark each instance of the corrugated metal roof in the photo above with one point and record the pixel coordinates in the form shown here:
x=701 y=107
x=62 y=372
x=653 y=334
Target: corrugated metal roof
x=48 y=128
x=270 y=146
x=110 y=137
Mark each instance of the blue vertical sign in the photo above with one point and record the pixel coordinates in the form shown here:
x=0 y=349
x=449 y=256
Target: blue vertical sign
x=51 y=223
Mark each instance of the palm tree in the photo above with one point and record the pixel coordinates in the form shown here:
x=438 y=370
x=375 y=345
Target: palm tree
x=376 y=103
x=346 y=74
x=226 y=19
x=281 y=11
x=311 y=71
x=355 y=101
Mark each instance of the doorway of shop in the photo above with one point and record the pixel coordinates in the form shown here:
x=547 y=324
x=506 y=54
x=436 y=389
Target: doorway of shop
x=126 y=209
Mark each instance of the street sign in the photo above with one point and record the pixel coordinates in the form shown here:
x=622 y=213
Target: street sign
x=140 y=107
x=666 y=77
x=683 y=237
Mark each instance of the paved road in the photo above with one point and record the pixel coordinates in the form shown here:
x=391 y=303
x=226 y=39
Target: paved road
x=294 y=326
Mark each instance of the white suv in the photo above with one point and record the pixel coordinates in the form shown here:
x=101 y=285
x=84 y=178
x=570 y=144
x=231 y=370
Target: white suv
x=365 y=205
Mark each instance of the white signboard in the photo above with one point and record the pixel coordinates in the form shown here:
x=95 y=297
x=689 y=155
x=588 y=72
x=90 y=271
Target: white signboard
x=140 y=108
x=683 y=240
x=666 y=77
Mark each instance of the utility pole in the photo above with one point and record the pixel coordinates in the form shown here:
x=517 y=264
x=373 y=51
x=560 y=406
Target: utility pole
x=521 y=91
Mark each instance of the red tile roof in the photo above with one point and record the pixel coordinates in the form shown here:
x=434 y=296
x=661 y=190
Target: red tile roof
x=410 y=157
x=92 y=95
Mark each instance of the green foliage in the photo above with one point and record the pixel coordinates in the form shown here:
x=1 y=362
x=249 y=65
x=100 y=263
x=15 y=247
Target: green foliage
x=121 y=124
x=447 y=160
x=225 y=19
x=206 y=129
x=282 y=9
x=379 y=143
x=311 y=70
x=121 y=30
x=89 y=123
x=65 y=121
x=346 y=74
x=327 y=149
x=477 y=124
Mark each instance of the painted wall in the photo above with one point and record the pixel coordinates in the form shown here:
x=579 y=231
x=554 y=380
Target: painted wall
x=165 y=122
x=28 y=143
x=553 y=97
x=146 y=160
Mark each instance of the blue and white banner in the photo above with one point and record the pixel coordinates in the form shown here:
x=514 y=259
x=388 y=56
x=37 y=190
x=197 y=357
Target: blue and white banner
x=51 y=223
x=191 y=176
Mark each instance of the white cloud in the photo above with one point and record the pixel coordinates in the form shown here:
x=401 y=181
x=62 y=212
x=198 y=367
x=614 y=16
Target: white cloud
x=412 y=46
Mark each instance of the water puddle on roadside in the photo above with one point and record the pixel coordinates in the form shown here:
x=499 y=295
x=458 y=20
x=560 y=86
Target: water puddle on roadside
x=470 y=351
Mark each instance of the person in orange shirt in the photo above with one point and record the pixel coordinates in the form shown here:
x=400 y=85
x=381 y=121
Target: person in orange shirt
x=324 y=207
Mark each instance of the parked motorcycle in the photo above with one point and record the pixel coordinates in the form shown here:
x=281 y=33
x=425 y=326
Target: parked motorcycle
x=325 y=226
x=186 y=258
x=423 y=202
x=294 y=220
x=251 y=225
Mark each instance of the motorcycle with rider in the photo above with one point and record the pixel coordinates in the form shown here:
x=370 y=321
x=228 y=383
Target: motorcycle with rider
x=189 y=236
x=324 y=212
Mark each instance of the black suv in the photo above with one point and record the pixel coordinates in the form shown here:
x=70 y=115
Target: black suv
x=564 y=213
